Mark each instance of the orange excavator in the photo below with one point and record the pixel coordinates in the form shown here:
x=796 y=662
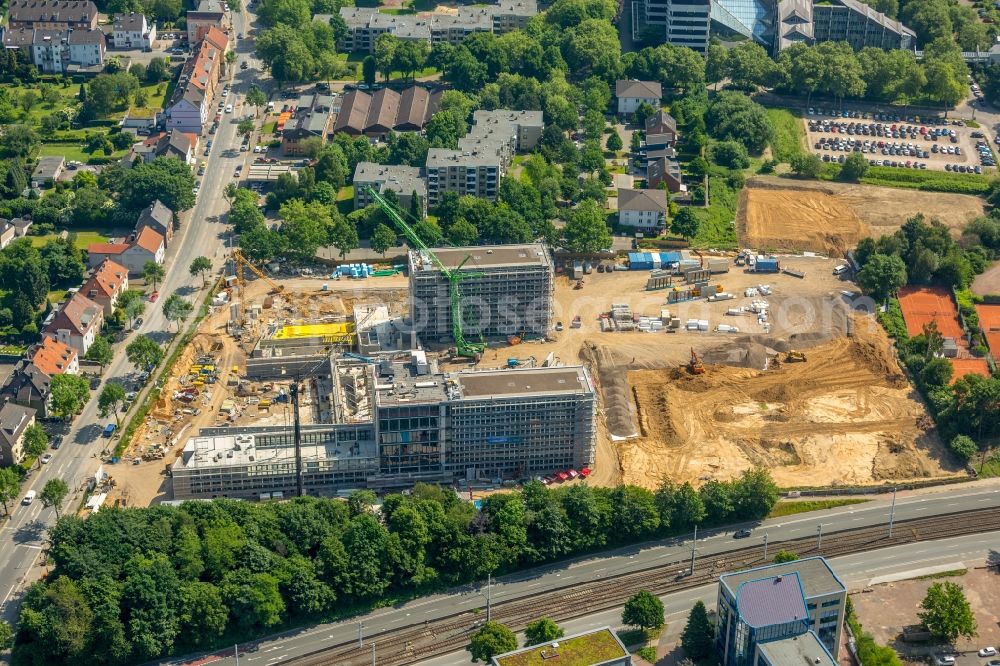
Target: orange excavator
x=515 y=339
x=695 y=366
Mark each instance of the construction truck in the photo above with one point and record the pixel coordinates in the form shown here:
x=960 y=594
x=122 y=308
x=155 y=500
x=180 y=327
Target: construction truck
x=795 y=357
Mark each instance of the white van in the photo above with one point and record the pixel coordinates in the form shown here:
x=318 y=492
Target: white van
x=840 y=270
x=29 y=497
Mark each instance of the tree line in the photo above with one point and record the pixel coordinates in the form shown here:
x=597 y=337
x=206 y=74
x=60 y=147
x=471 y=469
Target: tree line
x=138 y=584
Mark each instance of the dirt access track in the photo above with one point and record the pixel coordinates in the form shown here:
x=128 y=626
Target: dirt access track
x=845 y=416
x=781 y=214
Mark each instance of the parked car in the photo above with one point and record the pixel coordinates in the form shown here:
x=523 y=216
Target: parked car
x=57 y=442
x=152 y=297
x=742 y=534
x=945 y=660
x=988 y=652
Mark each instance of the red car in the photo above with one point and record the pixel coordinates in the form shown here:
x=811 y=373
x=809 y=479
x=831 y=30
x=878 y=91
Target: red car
x=154 y=296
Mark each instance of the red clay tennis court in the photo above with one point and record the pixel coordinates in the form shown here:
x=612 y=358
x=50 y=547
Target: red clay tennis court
x=968 y=366
x=989 y=321
x=922 y=305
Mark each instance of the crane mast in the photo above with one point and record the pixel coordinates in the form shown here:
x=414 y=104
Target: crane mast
x=454 y=276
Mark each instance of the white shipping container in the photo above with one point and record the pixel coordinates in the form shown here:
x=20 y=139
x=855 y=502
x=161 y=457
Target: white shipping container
x=703 y=325
x=734 y=312
x=750 y=292
x=722 y=328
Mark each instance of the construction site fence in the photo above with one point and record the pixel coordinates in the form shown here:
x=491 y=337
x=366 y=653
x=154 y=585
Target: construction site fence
x=879 y=490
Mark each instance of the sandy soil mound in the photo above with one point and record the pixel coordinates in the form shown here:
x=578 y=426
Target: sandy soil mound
x=845 y=416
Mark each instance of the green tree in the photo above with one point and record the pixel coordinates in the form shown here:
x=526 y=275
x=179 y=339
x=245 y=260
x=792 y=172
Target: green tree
x=10 y=487
x=69 y=393
x=614 y=142
x=54 y=493
x=806 y=165
x=200 y=265
x=462 y=232
x=731 y=154
x=698 y=638
x=100 y=352
x=133 y=303
x=783 y=556
x=685 y=223
x=369 y=69
x=636 y=141
x=344 y=236
x=492 y=639
x=245 y=127
x=143 y=352
x=6 y=636
x=882 y=275
x=256 y=98
x=36 y=441
x=936 y=372
x=153 y=272
x=202 y=612
x=734 y=116
x=110 y=400
x=961 y=445
x=19 y=141
x=644 y=610
x=749 y=66
x=382 y=239
x=177 y=309
x=855 y=167
x=157 y=70
x=542 y=630
x=946 y=612
x=166 y=178
x=587 y=229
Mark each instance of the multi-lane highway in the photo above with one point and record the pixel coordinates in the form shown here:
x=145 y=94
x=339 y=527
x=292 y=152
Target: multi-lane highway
x=624 y=560
x=201 y=233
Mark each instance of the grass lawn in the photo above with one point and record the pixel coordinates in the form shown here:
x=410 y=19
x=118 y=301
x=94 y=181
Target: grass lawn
x=154 y=100
x=80 y=238
x=789 y=134
x=57 y=295
x=991 y=468
x=67 y=97
x=345 y=199
x=930 y=181
x=426 y=71
x=717 y=228
x=791 y=508
x=269 y=128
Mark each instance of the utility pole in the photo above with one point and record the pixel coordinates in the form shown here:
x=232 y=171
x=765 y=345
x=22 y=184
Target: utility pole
x=373 y=653
x=819 y=541
x=361 y=643
x=765 y=546
x=892 y=512
x=694 y=551
x=489 y=596
x=236 y=650
x=298 y=441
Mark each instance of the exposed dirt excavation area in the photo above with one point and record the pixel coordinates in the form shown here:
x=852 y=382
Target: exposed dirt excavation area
x=783 y=214
x=844 y=416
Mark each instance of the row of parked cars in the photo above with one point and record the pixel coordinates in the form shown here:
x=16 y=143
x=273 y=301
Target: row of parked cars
x=885 y=117
x=874 y=147
x=986 y=157
x=884 y=130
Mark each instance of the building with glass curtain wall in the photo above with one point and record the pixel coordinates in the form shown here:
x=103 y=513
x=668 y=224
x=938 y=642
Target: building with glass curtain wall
x=802 y=600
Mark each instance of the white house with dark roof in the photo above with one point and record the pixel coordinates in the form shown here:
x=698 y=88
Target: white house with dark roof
x=132 y=31
x=76 y=323
x=632 y=94
x=645 y=210
x=14 y=420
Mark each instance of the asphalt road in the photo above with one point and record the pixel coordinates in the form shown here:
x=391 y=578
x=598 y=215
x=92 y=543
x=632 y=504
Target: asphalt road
x=908 y=505
x=201 y=233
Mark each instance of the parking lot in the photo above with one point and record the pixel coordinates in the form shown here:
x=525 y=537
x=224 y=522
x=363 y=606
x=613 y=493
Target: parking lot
x=897 y=141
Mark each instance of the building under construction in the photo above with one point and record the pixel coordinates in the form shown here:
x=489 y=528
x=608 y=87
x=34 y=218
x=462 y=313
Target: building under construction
x=507 y=290
x=394 y=422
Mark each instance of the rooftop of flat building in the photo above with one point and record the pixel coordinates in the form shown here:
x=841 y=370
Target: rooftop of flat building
x=815 y=573
x=589 y=649
x=487 y=256
x=528 y=381
x=772 y=600
x=241 y=450
x=802 y=650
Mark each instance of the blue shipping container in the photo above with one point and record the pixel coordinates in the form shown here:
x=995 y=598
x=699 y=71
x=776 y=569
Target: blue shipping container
x=670 y=257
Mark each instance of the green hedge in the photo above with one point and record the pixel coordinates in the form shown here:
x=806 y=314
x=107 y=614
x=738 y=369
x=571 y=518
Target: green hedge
x=930 y=181
x=893 y=323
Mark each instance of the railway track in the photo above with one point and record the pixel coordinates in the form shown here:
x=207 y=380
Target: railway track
x=409 y=645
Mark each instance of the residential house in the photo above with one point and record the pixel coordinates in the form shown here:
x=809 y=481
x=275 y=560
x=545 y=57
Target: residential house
x=314 y=118
x=107 y=283
x=159 y=218
x=148 y=245
x=375 y=115
x=663 y=124
x=483 y=155
x=21 y=225
x=98 y=253
x=631 y=94
x=7 y=233
x=76 y=323
x=14 y=420
x=190 y=105
x=208 y=15
x=365 y=24
x=47 y=170
x=132 y=31
x=27 y=386
x=664 y=170
x=59 y=51
x=645 y=210
x=55 y=358
x=403 y=180
x=52 y=14
x=173 y=143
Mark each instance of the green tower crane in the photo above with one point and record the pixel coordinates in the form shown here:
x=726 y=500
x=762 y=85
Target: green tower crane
x=454 y=276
